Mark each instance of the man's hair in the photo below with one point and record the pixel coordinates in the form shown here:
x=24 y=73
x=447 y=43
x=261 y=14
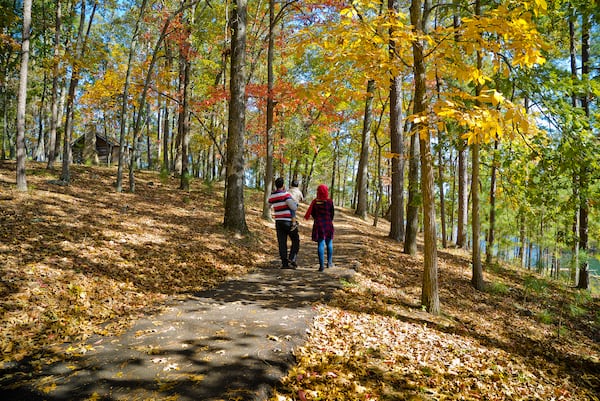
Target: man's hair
x=279 y=183
x=294 y=183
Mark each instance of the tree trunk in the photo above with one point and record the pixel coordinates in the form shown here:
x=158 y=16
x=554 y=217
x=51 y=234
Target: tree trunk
x=489 y=249
x=414 y=203
x=90 y=156
x=441 y=190
x=40 y=149
x=452 y=200
x=123 y=119
x=52 y=137
x=463 y=183
x=463 y=197
x=477 y=276
x=70 y=109
x=142 y=99
x=165 y=168
x=575 y=178
x=21 y=178
x=184 y=120
x=334 y=167
x=363 y=163
x=396 y=147
x=379 y=194
x=235 y=218
x=429 y=294
x=584 y=175
x=521 y=218
x=266 y=213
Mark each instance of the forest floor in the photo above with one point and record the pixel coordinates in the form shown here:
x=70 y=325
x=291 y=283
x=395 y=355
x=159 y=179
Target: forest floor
x=83 y=267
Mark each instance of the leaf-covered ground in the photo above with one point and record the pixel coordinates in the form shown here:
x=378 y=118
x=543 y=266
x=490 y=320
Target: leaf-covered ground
x=525 y=338
x=82 y=259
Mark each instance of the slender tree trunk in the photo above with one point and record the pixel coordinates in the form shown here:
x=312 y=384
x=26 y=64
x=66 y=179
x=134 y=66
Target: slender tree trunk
x=477 y=277
x=180 y=118
x=235 y=218
x=52 y=137
x=575 y=178
x=442 y=197
x=452 y=201
x=334 y=167
x=311 y=169
x=584 y=175
x=21 y=178
x=185 y=124
x=489 y=249
x=80 y=48
x=344 y=180
x=463 y=194
x=379 y=195
x=363 y=164
x=412 y=208
x=522 y=237
x=396 y=147
x=123 y=117
x=4 y=120
x=165 y=168
x=142 y=99
x=40 y=149
x=266 y=213
x=463 y=197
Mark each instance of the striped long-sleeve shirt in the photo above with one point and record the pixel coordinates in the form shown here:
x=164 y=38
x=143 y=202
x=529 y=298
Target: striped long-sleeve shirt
x=282 y=203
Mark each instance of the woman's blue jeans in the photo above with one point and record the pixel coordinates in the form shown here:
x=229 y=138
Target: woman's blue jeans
x=321 y=251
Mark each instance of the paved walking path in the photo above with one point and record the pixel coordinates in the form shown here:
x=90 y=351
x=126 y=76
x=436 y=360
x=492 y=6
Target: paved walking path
x=233 y=342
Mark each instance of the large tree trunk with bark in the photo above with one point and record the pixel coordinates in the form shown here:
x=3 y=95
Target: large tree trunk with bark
x=429 y=294
x=235 y=218
x=396 y=145
x=90 y=156
x=362 y=175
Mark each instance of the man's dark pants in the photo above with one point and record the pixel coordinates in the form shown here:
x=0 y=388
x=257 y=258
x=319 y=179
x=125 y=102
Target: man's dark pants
x=283 y=232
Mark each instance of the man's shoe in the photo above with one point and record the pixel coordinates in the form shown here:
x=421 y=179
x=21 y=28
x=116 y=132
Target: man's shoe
x=321 y=269
x=287 y=267
x=293 y=264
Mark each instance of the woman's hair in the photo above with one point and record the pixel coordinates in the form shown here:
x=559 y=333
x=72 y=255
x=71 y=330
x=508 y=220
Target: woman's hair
x=322 y=192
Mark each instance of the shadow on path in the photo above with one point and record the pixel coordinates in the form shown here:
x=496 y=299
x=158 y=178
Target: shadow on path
x=233 y=342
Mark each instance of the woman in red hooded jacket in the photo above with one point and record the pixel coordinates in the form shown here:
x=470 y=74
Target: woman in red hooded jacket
x=321 y=210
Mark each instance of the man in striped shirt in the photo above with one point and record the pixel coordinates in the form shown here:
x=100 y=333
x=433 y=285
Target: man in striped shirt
x=283 y=204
